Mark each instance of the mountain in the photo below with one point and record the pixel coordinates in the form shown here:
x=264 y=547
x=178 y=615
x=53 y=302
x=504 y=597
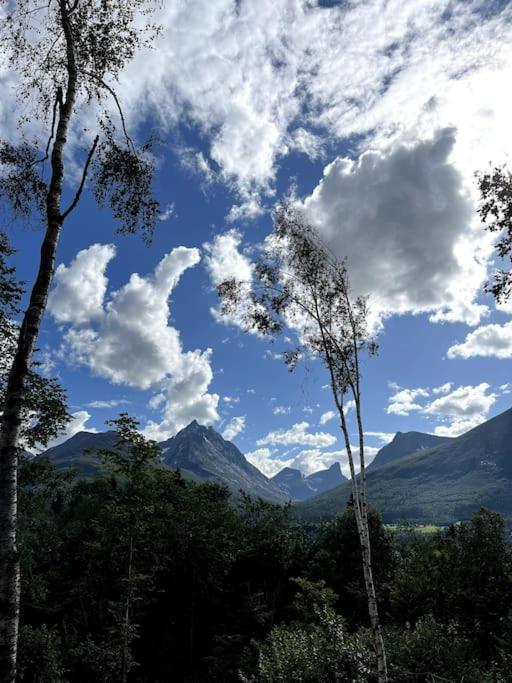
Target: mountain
x=405 y=444
x=202 y=453
x=74 y=451
x=299 y=487
x=199 y=452
x=439 y=485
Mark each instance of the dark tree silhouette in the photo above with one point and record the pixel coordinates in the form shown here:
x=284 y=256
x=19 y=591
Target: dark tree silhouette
x=68 y=55
x=300 y=284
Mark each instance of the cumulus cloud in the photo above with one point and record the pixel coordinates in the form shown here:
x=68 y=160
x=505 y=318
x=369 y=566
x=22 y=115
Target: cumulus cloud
x=402 y=219
x=112 y=403
x=383 y=437
x=297 y=434
x=80 y=288
x=457 y=410
x=443 y=388
x=262 y=459
x=403 y=401
x=224 y=260
x=282 y=410
x=327 y=417
x=244 y=74
x=132 y=343
x=465 y=401
x=486 y=341
x=313 y=460
x=234 y=427
x=78 y=423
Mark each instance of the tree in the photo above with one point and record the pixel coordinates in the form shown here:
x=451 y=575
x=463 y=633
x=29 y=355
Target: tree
x=66 y=54
x=43 y=412
x=132 y=460
x=299 y=283
x=496 y=210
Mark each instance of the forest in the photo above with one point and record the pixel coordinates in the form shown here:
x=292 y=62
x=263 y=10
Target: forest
x=139 y=575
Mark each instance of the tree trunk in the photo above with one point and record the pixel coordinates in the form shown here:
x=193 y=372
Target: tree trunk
x=127 y=608
x=13 y=405
x=361 y=515
x=378 y=641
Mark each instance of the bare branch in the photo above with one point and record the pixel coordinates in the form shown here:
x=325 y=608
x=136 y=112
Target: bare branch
x=113 y=93
x=82 y=181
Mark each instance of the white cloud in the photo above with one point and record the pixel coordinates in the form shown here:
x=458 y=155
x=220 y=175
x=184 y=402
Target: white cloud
x=297 y=434
x=132 y=343
x=80 y=288
x=261 y=458
x=244 y=74
x=404 y=402
x=113 y=403
x=457 y=411
x=486 y=341
x=78 y=423
x=443 y=388
x=465 y=401
x=234 y=427
x=313 y=460
x=404 y=222
x=327 y=417
x=383 y=437
x=231 y=399
x=167 y=212
x=282 y=410
x=224 y=261
x=156 y=401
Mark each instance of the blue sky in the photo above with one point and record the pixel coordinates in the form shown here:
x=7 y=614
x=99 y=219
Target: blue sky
x=373 y=116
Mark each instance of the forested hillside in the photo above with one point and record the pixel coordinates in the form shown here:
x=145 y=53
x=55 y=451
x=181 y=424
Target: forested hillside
x=143 y=572
x=439 y=485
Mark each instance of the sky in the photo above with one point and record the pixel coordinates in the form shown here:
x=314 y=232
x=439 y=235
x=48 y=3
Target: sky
x=372 y=117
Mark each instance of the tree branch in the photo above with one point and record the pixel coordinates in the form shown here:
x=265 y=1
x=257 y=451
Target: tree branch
x=82 y=181
x=107 y=87
x=58 y=100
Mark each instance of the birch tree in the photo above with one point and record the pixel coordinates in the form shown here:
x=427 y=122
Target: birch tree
x=495 y=210
x=67 y=56
x=299 y=284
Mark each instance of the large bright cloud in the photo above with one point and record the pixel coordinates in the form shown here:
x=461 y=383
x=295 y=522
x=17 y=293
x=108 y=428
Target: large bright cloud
x=402 y=219
x=298 y=434
x=262 y=79
x=455 y=410
x=132 y=343
x=486 y=341
x=80 y=287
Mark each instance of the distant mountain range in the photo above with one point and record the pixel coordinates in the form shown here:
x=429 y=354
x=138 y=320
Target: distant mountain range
x=424 y=478
x=299 y=487
x=202 y=454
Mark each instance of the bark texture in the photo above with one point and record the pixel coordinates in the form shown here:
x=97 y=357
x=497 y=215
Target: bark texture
x=11 y=418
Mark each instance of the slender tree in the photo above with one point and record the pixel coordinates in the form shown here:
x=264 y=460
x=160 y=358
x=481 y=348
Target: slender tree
x=67 y=55
x=133 y=460
x=298 y=283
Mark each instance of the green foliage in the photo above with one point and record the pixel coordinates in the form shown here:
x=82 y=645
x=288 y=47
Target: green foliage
x=39 y=655
x=431 y=652
x=317 y=650
x=496 y=211
x=336 y=559
x=44 y=410
x=209 y=589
